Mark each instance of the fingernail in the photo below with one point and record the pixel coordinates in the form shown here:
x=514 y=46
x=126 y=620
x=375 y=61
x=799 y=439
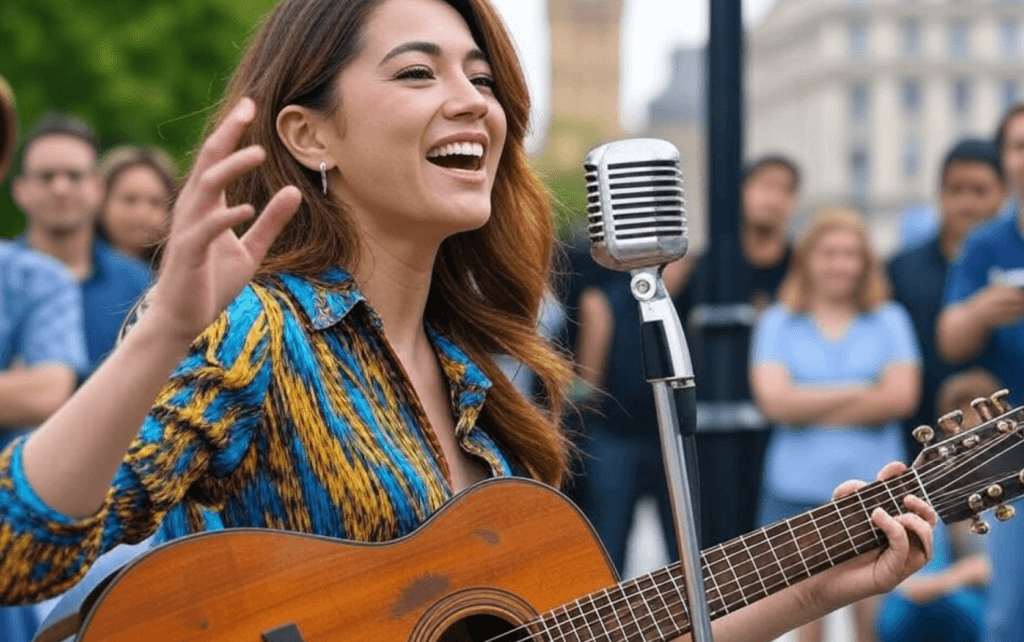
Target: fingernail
x=246 y=109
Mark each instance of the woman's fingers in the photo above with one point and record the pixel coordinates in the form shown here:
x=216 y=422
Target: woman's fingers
x=920 y=528
x=224 y=139
x=275 y=216
x=847 y=488
x=210 y=182
x=921 y=508
x=213 y=225
x=892 y=469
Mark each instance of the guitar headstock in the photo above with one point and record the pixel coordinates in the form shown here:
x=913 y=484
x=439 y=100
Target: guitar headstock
x=973 y=471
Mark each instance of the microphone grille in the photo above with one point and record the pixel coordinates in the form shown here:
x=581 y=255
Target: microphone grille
x=635 y=201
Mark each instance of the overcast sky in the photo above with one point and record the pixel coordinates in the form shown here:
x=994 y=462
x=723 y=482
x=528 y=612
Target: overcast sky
x=651 y=29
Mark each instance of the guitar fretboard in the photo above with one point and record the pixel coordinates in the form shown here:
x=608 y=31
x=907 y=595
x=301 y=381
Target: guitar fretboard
x=653 y=607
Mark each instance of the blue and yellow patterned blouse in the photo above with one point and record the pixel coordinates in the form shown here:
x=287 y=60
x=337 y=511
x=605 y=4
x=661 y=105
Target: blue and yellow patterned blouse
x=291 y=411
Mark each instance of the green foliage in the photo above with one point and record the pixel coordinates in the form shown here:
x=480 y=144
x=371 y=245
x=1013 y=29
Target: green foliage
x=142 y=72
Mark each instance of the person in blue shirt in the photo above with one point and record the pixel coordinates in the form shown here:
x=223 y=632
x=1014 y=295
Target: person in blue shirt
x=835 y=366
x=983 y=319
x=945 y=600
x=59 y=192
x=971 y=191
x=42 y=347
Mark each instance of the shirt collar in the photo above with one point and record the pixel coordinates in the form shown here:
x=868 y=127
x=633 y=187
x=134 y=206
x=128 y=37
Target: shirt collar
x=328 y=297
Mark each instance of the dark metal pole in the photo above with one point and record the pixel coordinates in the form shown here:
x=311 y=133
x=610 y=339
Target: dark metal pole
x=725 y=154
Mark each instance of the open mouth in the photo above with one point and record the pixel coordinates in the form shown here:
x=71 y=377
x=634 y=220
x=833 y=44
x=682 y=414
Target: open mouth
x=467 y=156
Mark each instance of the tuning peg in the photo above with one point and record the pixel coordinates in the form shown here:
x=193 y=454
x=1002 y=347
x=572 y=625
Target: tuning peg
x=1020 y=477
x=975 y=502
x=983 y=407
x=1001 y=400
x=972 y=441
x=1006 y=426
x=995 y=491
x=979 y=526
x=1005 y=513
x=951 y=422
x=924 y=434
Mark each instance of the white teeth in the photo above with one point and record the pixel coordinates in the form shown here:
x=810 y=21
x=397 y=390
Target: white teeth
x=462 y=149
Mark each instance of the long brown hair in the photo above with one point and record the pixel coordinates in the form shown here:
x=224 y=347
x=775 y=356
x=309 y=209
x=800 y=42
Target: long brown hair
x=872 y=288
x=488 y=284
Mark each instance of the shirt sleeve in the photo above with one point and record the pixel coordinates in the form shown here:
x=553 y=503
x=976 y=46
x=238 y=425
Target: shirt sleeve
x=767 y=345
x=968 y=274
x=53 y=328
x=900 y=338
x=202 y=425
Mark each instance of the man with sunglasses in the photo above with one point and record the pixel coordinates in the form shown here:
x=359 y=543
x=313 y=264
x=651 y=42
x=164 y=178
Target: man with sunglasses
x=59 y=192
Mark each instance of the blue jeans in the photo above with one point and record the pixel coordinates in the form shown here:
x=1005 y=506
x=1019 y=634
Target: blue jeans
x=619 y=470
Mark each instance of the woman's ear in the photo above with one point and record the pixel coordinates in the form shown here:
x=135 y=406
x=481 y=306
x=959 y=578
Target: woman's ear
x=305 y=134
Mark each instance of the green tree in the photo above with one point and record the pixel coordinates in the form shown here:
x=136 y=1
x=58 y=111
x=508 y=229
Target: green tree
x=142 y=72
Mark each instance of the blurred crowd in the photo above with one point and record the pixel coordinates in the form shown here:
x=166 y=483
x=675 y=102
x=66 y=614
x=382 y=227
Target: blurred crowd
x=841 y=358
x=834 y=358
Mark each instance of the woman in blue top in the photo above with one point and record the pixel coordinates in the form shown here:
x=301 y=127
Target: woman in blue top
x=835 y=367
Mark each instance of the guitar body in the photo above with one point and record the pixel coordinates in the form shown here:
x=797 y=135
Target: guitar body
x=499 y=554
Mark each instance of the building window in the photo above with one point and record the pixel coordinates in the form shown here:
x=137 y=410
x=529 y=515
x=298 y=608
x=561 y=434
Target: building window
x=910 y=37
x=962 y=93
x=1009 y=37
x=860 y=173
x=860 y=102
x=912 y=157
x=1011 y=93
x=857 y=31
x=959 y=40
x=912 y=96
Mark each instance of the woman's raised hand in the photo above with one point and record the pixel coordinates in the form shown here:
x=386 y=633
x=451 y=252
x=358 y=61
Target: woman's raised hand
x=205 y=264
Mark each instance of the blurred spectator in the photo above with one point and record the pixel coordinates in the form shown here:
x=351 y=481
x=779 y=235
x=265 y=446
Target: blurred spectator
x=945 y=601
x=983 y=318
x=135 y=212
x=917 y=224
x=1010 y=140
x=971 y=190
x=835 y=366
x=732 y=432
x=622 y=444
x=59 y=192
x=42 y=347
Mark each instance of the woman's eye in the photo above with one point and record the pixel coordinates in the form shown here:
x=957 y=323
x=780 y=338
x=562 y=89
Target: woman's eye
x=484 y=81
x=415 y=73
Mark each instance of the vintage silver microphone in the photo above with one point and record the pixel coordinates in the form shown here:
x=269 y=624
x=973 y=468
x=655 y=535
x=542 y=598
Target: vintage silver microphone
x=637 y=223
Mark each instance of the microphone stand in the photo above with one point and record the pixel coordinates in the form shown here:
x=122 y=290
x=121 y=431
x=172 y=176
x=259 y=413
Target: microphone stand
x=668 y=368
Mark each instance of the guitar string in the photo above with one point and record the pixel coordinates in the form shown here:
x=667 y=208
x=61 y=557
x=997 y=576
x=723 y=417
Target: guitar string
x=872 y=531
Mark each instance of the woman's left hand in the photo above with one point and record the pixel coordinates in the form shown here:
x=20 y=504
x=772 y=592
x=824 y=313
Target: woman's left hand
x=910 y=546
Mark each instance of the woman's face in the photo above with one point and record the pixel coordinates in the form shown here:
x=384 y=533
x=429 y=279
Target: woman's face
x=136 y=212
x=836 y=264
x=418 y=133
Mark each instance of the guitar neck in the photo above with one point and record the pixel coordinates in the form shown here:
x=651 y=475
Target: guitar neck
x=653 y=607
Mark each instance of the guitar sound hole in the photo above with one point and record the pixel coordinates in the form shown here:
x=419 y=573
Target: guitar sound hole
x=477 y=628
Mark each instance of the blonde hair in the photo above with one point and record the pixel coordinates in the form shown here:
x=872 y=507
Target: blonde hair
x=873 y=286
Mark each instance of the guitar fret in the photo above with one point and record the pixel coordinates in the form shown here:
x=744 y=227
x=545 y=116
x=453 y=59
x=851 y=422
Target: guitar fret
x=593 y=609
x=920 y=484
x=769 y=544
x=572 y=625
x=876 y=533
x=797 y=547
x=711 y=582
x=753 y=564
x=809 y=539
x=648 y=599
x=619 y=626
x=728 y=568
x=680 y=591
x=645 y=601
x=632 y=614
x=842 y=520
x=824 y=545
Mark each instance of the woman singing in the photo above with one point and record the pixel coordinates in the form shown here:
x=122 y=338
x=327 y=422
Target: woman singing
x=342 y=382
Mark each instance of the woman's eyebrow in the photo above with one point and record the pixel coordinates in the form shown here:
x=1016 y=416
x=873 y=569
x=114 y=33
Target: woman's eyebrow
x=429 y=48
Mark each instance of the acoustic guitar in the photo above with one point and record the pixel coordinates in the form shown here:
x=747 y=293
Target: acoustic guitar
x=513 y=561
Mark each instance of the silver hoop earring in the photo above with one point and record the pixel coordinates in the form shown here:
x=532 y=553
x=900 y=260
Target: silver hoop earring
x=323 y=175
